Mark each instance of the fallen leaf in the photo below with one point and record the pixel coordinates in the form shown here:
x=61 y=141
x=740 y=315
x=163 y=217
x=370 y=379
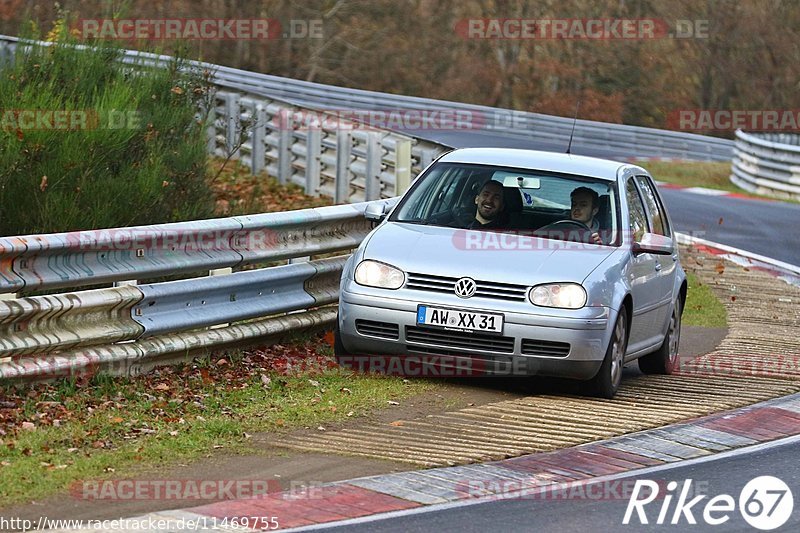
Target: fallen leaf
x=176 y=90
x=43 y=184
x=345 y=390
x=222 y=362
x=28 y=426
x=320 y=428
x=313 y=383
x=720 y=268
x=5 y=463
x=162 y=386
x=396 y=423
x=173 y=433
x=117 y=420
x=265 y=380
x=392 y=402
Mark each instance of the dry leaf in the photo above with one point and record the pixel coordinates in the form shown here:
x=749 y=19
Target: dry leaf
x=43 y=184
x=720 y=268
x=396 y=423
x=345 y=390
x=392 y=402
x=117 y=420
x=222 y=362
x=265 y=380
x=28 y=426
x=176 y=90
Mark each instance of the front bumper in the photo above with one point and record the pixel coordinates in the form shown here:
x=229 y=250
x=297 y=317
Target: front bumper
x=555 y=344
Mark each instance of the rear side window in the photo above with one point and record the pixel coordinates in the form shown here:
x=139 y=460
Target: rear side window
x=638 y=224
x=654 y=206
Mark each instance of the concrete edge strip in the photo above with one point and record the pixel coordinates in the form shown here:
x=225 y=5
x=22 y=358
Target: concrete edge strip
x=382 y=496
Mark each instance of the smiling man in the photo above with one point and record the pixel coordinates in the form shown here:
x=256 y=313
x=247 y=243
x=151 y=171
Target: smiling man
x=490 y=206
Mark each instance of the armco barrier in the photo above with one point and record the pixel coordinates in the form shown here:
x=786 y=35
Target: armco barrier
x=190 y=304
x=44 y=324
x=634 y=141
x=128 y=329
x=767 y=163
x=77 y=259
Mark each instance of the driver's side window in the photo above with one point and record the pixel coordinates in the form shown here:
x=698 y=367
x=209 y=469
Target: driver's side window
x=638 y=219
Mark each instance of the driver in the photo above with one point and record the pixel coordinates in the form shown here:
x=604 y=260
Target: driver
x=490 y=204
x=585 y=205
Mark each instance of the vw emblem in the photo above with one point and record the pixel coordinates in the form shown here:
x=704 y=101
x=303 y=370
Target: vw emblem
x=465 y=288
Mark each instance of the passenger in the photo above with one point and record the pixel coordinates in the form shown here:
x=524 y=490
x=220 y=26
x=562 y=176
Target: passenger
x=585 y=205
x=491 y=205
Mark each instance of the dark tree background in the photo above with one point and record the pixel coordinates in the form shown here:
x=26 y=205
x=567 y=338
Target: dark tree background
x=747 y=61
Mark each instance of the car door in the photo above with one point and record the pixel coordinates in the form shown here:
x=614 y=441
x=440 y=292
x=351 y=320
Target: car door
x=642 y=275
x=666 y=265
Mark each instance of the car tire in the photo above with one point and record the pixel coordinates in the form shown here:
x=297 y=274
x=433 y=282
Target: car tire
x=665 y=359
x=607 y=380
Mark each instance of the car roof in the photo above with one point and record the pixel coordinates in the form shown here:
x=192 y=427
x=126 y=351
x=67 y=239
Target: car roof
x=537 y=160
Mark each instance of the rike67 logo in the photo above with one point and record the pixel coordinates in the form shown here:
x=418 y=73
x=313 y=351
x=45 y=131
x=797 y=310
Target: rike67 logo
x=765 y=503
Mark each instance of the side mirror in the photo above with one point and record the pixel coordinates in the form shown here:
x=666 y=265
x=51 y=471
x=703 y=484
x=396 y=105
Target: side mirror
x=375 y=212
x=652 y=243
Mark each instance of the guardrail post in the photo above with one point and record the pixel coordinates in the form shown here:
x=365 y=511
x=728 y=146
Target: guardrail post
x=313 y=165
x=258 y=154
x=372 y=188
x=211 y=130
x=402 y=166
x=220 y=272
x=426 y=157
x=232 y=121
x=344 y=145
x=285 y=131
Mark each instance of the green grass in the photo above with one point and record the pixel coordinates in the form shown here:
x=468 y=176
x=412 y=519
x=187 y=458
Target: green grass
x=703 y=308
x=693 y=174
x=117 y=427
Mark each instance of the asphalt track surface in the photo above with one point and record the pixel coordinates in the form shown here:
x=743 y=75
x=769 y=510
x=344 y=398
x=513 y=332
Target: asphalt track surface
x=723 y=474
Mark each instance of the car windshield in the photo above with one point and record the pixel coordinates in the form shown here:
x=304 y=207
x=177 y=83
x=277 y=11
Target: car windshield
x=530 y=202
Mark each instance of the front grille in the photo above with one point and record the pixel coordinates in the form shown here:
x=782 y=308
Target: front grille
x=384 y=330
x=486 y=289
x=455 y=340
x=545 y=348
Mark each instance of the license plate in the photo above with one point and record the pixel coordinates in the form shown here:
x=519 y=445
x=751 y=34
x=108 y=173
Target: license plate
x=459 y=320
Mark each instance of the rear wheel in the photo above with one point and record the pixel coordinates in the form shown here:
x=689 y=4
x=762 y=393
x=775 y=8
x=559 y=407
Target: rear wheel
x=665 y=359
x=606 y=383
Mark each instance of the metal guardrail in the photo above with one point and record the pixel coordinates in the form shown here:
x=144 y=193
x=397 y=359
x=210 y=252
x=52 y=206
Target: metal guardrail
x=130 y=328
x=635 y=141
x=767 y=163
x=320 y=152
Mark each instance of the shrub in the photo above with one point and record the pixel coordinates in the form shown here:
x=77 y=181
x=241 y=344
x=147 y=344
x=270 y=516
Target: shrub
x=132 y=153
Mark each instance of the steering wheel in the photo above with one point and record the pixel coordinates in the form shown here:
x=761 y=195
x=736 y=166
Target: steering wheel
x=565 y=222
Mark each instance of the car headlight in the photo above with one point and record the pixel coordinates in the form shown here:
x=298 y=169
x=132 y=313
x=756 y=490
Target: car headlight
x=376 y=274
x=564 y=295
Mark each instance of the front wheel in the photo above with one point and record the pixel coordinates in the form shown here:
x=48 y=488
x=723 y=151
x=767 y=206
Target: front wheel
x=665 y=359
x=606 y=383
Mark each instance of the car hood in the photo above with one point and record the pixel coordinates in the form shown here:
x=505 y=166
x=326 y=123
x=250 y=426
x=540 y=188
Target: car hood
x=482 y=255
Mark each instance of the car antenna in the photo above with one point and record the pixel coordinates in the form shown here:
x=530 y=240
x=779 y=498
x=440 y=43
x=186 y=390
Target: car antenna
x=574 y=121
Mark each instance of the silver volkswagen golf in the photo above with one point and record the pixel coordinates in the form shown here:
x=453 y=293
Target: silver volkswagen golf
x=516 y=262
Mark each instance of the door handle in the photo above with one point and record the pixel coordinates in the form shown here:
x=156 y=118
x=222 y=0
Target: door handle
x=658 y=267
